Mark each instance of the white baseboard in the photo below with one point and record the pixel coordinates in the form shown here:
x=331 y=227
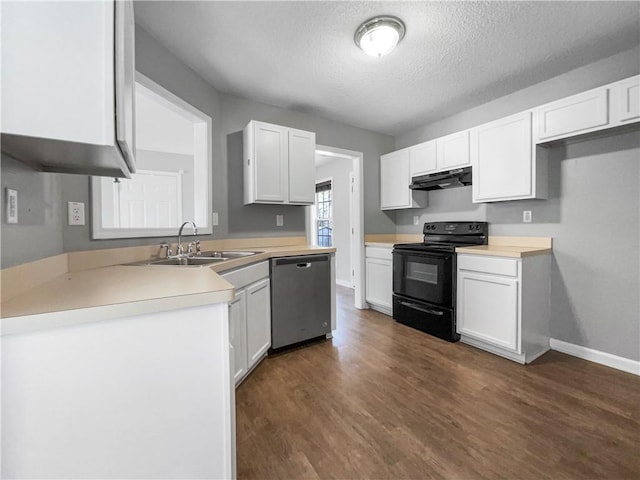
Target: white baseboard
x=603 y=358
x=342 y=283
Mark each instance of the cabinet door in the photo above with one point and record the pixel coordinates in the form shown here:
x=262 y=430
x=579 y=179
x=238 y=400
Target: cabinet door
x=258 y=321
x=302 y=151
x=574 y=115
x=488 y=309
x=502 y=158
x=453 y=151
x=270 y=167
x=423 y=158
x=394 y=180
x=626 y=101
x=379 y=282
x=238 y=335
x=125 y=81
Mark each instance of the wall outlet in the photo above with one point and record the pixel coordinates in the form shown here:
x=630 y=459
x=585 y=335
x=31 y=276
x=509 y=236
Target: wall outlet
x=75 y=211
x=279 y=220
x=527 y=216
x=12 y=205
x=416 y=220
x=214 y=219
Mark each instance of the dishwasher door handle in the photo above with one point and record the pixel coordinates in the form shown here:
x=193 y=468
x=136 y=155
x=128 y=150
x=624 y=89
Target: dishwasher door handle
x=303 y=265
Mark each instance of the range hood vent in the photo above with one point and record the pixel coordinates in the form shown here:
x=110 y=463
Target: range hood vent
x=460 y=177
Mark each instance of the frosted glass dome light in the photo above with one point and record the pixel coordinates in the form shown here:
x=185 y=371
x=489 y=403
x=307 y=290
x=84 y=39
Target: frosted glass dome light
x=379 y=35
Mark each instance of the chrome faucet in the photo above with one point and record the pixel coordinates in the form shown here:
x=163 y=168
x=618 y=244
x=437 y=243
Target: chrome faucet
x=195 y=232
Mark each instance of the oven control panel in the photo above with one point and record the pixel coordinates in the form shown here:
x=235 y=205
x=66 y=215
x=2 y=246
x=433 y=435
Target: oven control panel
x=456 y=228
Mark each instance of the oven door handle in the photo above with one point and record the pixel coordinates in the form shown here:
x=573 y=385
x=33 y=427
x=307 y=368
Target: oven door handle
x=422 y=309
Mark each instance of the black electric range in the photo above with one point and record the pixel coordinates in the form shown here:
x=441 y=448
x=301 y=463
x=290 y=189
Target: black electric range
x=424 y=276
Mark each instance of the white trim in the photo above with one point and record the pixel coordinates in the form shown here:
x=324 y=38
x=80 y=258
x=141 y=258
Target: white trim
x=603 y=358
x=358 y=259
x=342 y=283
x=203 y=182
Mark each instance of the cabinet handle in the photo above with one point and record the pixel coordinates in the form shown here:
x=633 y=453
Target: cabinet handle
x=303 y=265
x=422 y=309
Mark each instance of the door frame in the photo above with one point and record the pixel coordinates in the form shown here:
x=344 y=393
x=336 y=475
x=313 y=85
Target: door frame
x=356 y=218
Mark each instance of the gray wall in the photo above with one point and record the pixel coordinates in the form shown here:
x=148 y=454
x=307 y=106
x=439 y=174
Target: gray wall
x=39 y=231
x=592 y=213
x=230 y=115
x=338 y=170
x=247 y=220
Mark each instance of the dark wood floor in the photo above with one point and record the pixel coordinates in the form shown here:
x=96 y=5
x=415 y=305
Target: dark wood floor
x=383 y=401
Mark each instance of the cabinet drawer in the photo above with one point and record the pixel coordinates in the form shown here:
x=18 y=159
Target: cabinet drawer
x=379 y=252
x=485 y=264
x=244 y=276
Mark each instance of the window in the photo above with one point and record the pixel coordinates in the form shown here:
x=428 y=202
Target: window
x=324 y=214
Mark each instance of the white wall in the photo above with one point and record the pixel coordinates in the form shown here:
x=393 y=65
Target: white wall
x=339 y=170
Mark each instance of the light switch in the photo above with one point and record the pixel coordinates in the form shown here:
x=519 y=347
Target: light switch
x=279 y=220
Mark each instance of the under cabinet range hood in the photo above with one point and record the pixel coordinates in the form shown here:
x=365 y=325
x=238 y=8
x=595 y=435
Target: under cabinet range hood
x=460 y=177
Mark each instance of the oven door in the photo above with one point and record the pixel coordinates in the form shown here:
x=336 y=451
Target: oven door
x=425 y=276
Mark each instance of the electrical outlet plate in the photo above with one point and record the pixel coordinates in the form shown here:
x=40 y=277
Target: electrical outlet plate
x=416 y=220
x=12 y=205
x=214 y=219
x=75 y=211
x=279 y=220
x=527 y=216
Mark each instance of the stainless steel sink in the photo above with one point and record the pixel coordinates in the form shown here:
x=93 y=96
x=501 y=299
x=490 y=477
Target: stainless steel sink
x=227 y=255
x=187 y=261
x=182 y=261
x=205 y=258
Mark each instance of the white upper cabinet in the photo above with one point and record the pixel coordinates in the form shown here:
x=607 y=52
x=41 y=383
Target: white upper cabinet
x=302 y=147
x=68 y=86
x=453 y=151
x=279 y=164
x=395 y=177
x=605 y=107
x=504 y=161
x=423 y=158
x=395 y=180
x=582 y=113
x=625 y=101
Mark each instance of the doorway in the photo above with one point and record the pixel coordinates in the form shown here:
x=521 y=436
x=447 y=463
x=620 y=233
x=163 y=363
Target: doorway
x=350 y=225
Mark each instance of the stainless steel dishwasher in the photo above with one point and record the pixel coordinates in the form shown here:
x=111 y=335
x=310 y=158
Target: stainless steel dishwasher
x=300 y=299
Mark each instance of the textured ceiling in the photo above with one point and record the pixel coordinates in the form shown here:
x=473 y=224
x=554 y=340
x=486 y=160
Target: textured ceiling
x=455 y=55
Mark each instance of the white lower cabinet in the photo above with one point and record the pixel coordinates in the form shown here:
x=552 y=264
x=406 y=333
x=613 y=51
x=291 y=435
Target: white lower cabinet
x=238 y=335
x=503 y=304
x=379 y=278
x=249 y=318
x=258 y=298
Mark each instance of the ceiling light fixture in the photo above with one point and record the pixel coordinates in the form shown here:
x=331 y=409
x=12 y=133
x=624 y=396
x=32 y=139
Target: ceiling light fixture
x=379 y=35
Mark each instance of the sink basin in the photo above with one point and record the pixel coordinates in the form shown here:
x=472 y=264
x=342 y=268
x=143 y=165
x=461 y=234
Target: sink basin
x=184 y=261
x=187 y=261
x=205 y=258
x=227 y=255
